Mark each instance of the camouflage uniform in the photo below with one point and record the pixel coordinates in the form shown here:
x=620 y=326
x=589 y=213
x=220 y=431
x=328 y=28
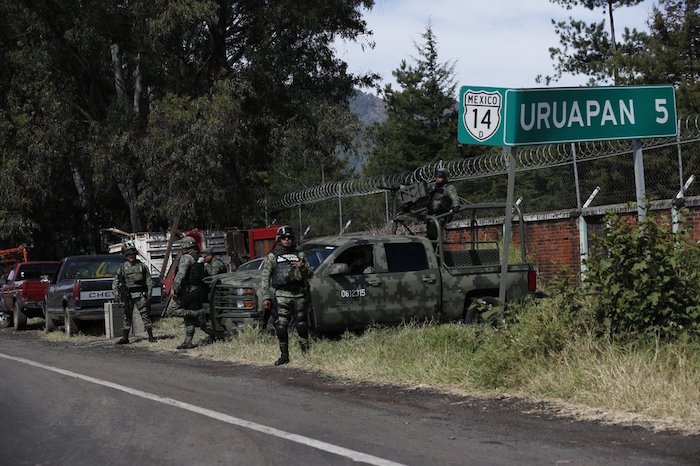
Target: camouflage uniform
x=289 y=285
x=442 y=199
x=215 y=267
x=133 y=286
x=187 y=293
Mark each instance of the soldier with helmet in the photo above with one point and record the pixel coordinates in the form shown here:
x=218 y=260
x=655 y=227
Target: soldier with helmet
x=133 y=286
x=187 y=291
x=287 y=271
x=212 y=264
x=442 y=199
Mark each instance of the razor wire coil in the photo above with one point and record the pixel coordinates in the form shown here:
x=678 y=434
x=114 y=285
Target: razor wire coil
x=528 y=158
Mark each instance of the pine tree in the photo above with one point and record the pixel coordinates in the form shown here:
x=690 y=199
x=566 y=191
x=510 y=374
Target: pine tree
x=673 y=51
x=588 y=49
x=421 y=124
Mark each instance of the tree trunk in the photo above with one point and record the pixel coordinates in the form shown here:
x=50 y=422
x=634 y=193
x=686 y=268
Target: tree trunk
x=138 y=88
x=613 y=42
x=84 y=197
x=118 y=72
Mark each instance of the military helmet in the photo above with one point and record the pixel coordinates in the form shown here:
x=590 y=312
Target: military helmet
x=129 y=250
x=285 y=231
x=441 y=172
x=187 y=242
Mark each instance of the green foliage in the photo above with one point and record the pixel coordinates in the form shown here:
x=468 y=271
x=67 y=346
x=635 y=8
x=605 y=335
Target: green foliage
x=588 y=49
x=534 y=332
x=671 y=54
x=421 y=122
x=646 y=281
x=132 y=114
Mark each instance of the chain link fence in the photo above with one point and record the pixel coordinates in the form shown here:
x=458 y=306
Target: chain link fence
x=548 y=178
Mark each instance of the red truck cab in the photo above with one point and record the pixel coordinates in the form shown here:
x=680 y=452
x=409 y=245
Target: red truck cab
x=23 y=291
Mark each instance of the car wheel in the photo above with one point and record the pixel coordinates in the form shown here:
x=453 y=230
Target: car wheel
x=49 y=324
x=70 y=324
x=20 y=318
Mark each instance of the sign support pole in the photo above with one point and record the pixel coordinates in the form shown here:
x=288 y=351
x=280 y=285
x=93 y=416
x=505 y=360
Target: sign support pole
x=507 y=225
x=639 y=179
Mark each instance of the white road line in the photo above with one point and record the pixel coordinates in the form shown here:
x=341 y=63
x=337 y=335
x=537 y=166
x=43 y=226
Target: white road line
x=328 y=447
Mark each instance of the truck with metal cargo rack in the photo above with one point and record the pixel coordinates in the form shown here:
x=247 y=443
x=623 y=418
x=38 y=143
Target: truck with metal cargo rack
x=409 y=277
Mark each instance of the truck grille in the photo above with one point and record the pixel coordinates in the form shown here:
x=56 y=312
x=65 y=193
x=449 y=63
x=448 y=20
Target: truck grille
x=228 y=299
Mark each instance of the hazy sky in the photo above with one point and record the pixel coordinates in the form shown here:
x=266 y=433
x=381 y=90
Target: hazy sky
x=500 y=43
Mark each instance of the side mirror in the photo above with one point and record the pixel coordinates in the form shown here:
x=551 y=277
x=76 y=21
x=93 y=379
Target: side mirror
x=339 y=269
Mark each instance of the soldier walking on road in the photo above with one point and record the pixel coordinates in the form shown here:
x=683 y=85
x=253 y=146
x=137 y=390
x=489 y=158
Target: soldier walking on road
x=212 y=264
x=187 y=292
x=133 y=286
x=287 y=271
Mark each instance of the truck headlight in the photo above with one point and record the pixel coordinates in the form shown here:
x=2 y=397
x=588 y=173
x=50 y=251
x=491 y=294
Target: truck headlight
x=244 y=304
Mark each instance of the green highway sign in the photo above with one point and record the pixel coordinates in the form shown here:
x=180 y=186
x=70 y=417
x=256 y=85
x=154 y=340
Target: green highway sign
x=512 y=117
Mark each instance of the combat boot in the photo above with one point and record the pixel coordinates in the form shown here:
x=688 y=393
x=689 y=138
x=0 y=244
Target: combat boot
x=187 y=344
x=151 y=338
x=284 y=356
x=124 y=340
x=202 y=319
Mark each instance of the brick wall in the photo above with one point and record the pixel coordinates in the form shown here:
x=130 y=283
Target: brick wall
x=553 y=240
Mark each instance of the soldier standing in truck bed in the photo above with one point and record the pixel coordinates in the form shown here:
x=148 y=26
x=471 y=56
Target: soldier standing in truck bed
x=133 y=286
x=442 y=199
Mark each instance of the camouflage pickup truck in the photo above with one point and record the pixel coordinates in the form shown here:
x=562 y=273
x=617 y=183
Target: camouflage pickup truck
x=366 y=279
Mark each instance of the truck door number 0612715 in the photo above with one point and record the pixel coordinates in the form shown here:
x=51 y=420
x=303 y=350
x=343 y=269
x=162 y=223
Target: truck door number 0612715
x=356 y=293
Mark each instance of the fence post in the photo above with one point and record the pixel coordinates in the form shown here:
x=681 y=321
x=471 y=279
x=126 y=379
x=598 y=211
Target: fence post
x=340 y=207
x=583 y=232
x=639 y=179
x=301 y=226
x=677 y=202
x=578 y=187
x=386 y=205
x=507 y=220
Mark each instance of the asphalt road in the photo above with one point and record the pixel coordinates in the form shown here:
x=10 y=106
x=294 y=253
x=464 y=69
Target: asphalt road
x=103 y=404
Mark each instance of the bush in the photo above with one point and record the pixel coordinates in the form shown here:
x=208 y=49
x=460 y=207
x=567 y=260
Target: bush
x=645 y=281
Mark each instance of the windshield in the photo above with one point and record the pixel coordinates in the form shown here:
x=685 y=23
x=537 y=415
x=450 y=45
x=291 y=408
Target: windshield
x=255 y=264
x=316 y=253
x=35 y=271
x=93 y=268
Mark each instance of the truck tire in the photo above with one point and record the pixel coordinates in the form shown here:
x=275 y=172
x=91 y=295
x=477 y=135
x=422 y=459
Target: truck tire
x=472 y=309
x=49 y=324
x=20 y=318
x=69 y=323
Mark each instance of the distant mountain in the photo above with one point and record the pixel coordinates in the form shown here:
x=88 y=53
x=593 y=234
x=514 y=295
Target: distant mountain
x=369 y=108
